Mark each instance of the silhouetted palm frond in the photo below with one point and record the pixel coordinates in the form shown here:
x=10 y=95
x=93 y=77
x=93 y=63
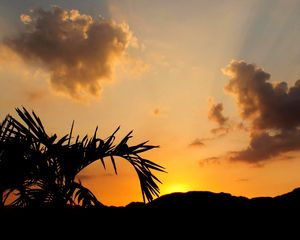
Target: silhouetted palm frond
x=40 y=170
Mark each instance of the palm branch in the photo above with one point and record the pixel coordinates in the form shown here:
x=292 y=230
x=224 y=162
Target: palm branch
x=41 y=169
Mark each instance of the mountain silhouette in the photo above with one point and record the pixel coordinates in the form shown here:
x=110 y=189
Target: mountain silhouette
x=204 y=213
x=175 y=214
x=205 y=200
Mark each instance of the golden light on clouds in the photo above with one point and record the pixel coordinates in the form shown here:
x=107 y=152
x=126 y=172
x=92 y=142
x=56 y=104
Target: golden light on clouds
x=78 y=51
x=26 y=19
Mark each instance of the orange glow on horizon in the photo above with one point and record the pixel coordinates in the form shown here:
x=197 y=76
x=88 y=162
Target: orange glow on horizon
x=166 y=80
x=176 y=187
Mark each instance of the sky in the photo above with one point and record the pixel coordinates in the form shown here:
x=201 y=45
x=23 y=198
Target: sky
x=213 y=83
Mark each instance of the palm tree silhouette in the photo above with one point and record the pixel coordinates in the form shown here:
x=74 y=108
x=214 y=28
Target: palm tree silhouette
x=40 y=170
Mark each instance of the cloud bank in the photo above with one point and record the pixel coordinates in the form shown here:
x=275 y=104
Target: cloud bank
x=79 y=51
x=271 y=109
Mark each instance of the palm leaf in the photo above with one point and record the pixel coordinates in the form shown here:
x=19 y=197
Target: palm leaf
x=48 y=166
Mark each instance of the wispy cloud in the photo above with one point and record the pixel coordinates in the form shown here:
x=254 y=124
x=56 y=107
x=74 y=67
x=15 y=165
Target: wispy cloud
x=35 y=95
x=242 y=180
x=197 y=143
x=133 y=68
x=86 y=176
x=209 y=161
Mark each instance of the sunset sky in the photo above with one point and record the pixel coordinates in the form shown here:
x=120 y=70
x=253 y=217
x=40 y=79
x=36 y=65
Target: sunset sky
x=213 y=83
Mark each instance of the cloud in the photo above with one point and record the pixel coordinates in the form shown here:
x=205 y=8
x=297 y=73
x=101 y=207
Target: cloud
x=35 y=95
x=156 y=111
x=220 y=131
x=209 y=160
x=197 y=143
x=242 y=180
x=266 y=105
x=264 y=146
x=86 y=176
x=271 y=109
x=159 y=111
x=83 y=176
x=78 y=51
x=133 y=68
x=26 y=19
x=215 y=113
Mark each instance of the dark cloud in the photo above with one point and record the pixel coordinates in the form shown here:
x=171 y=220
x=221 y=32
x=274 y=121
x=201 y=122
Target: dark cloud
x=197 y=143
x=215 y=113
x=79 y=51
x=266 y=105
x=264 y=146
x=83 y=176
x=212 y=159
x=271 y=109
x=220 y=131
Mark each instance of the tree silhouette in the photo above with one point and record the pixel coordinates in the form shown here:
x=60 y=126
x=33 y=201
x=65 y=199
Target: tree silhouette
x=40 y=170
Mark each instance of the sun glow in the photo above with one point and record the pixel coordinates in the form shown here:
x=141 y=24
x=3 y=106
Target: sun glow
x=177 y=187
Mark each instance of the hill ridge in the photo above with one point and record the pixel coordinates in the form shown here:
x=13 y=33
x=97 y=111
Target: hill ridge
x=222 y=200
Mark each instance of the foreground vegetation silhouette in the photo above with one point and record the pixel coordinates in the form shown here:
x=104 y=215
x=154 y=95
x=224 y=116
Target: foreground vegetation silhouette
x=38 y=170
